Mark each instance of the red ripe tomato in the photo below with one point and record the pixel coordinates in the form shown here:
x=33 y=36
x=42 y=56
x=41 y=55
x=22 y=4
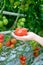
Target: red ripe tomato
x=21 y=31
x=23 y=58
x=8 y=43
x=35 y=54
x=23 y=62
x=1 y=36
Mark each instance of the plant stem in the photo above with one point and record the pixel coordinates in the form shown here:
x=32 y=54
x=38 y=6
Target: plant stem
x=17 y=19
x=3 y=7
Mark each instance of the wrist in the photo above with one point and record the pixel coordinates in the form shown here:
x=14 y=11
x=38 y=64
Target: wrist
x=38 y=39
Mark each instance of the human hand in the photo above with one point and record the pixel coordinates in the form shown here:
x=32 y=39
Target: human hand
x=29 y=36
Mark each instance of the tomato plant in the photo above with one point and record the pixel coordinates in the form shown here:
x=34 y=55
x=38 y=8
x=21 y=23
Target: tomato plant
x=29 y=15
x=33 y=11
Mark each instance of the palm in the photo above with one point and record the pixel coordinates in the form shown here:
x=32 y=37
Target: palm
x=28 y=37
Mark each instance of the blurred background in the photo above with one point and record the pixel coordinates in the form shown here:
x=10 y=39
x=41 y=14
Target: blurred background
x=31 y=15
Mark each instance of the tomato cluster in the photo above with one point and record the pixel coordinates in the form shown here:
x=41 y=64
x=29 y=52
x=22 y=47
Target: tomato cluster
x=36 y=52
x=21 y=31
x=11 y=43
x=21 y=22
x=3 y=23
x=23 y=59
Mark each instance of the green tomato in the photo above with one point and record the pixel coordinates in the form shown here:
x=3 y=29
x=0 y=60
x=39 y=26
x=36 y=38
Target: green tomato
x=5 y=21
x=4 y=17
x=19 y=20
x=21 y=23
x=18 y=26
x=16 y=3
x=1 y=23
x=23 y=19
